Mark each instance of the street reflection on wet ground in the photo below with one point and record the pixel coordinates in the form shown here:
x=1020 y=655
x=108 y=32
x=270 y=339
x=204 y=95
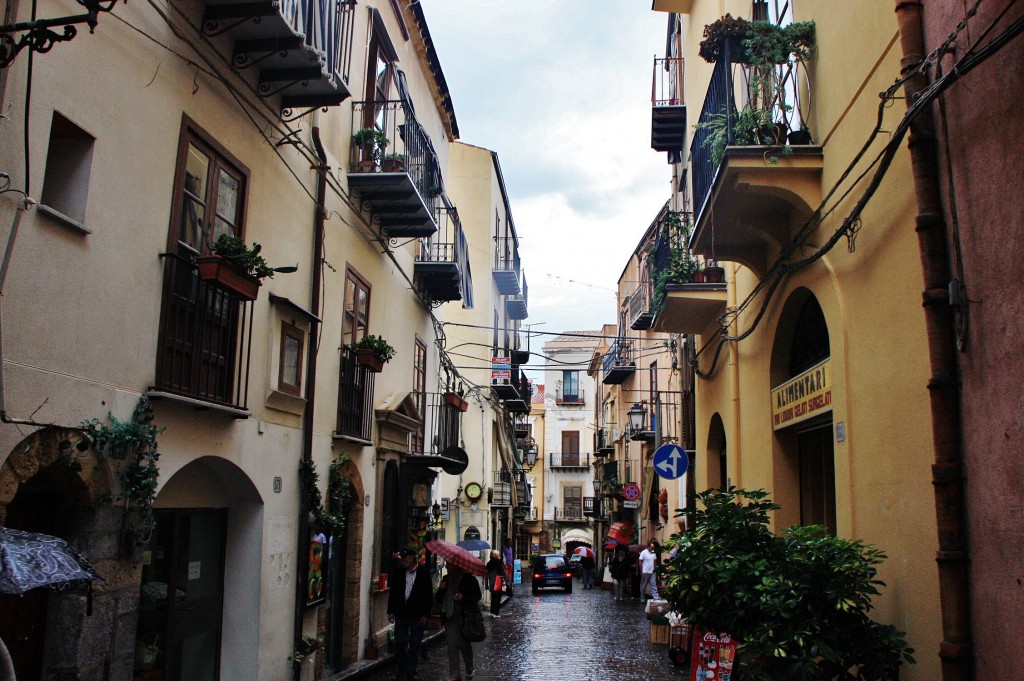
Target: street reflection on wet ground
x=553 y=636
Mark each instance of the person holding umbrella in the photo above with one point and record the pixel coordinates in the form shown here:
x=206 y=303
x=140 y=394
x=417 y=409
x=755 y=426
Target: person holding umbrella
x=457 y=592
x=409 y=602
x=619 y=567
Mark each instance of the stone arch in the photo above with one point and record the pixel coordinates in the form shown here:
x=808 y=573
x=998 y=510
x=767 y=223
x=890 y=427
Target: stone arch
x=717 y=454
x=55 y=469
x=355 y=520
x=66 y=455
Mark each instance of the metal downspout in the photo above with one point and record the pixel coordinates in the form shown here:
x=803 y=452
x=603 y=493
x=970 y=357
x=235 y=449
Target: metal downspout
x=733 y=443
x=952 y=557
x=302 y=553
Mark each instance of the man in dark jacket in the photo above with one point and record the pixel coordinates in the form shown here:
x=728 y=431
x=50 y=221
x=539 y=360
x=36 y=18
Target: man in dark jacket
x=409 y=603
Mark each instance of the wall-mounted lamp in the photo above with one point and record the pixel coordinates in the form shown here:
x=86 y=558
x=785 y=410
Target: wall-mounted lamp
x=637 y=417
x=531 y=457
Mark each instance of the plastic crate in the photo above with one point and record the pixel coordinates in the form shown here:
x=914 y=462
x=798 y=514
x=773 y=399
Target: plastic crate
x=659 y=633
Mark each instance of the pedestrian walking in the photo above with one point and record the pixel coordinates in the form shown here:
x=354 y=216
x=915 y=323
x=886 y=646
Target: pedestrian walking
x=510 y=562
x=647 y=578
x=619 y=567
x=587 y=564
x=496 y=582
x=409 y=602
x=457 y=593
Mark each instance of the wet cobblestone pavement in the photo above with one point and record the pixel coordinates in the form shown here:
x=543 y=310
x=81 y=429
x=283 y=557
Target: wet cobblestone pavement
x=583 y=636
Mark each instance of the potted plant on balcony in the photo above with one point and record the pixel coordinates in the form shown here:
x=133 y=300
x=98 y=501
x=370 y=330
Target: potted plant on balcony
x=371 y=142
x=729 y=31
x=713 y=272
x=393 y=163
x=455 y=400
x=373 y=352
x=235 y=267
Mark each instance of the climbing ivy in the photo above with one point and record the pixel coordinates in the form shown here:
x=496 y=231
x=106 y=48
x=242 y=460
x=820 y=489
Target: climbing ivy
x=339 y=491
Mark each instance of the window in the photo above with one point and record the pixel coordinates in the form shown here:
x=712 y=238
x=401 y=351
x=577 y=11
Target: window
x=357 y=308
x=203 y=353
x=289 y=375
x=572 y=501
x=570 y=447
x=419 y=391
x=68 y=166
x=571 y=387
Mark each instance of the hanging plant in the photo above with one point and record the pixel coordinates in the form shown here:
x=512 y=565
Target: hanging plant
x=339 y=491
x=134 y=441
x=307 y=647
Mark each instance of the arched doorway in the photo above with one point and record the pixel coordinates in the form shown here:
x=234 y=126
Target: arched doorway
x=209 y=523
x=717 y=457
x=801 y=371
x=52 y=482
x=342 y=617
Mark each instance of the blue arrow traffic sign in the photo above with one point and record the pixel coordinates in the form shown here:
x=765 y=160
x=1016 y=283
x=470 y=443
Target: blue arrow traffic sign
x=670 y=461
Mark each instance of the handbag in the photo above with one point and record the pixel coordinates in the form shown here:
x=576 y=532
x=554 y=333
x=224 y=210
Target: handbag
x=498 y=583
x=472 y=628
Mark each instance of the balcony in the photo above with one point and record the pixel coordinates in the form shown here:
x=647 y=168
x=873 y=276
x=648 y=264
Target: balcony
x=602 y=443
x=302 y=49
x=520 y=350
x=641 y=312
x=506 y=267
x=515 y=305
x=618 y=363
x=569 y=461
x=512 y=387
x=394 y=169
x=442 y=269
x=501 y=491
x=205 y=341
x=570 y=514
x=690 y=308
x=668 y=112
x=759 y=195
x=574 y=398
x=355 y=399
x=437 y=445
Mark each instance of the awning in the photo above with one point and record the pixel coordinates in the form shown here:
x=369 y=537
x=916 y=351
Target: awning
x=577 y=534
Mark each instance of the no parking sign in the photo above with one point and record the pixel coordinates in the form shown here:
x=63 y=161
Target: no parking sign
x=631 y=492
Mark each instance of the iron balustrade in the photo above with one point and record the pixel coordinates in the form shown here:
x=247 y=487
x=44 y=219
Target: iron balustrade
x=501 y=492
x=718 y=102
x=569 y=513
x=326 y=27
x=355 y=398
x=408 y=146
x=569 y=460
x=575 y=397
x=619 y=355
x=506 y=254
x=667 y=82
x=442 y=423
x=640 y=300
x=205 y=337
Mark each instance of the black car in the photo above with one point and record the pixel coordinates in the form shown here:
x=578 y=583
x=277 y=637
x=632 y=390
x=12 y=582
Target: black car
x=551 y=570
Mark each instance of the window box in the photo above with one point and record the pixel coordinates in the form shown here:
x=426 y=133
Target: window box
x=220 y=273
x=369 y=359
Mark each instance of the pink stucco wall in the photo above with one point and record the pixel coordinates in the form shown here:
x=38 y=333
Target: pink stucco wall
x=985 y=122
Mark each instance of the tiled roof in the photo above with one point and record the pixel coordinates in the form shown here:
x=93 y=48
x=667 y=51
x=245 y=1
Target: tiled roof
x=538 y=394
x=571 y=336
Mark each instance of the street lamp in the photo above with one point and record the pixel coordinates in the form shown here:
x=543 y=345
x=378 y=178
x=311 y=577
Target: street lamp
x=531 y=457
x=637 y=415
x=597 y=485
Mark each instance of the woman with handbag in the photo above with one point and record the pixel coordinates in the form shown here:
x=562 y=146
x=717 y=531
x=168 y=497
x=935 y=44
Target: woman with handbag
x=496 y=581
x=459 y=595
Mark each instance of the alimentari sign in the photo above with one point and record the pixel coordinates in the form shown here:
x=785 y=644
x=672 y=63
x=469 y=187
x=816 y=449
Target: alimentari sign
x=800 y=398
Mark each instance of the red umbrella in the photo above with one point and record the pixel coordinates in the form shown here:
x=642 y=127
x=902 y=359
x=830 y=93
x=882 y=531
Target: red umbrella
x=584 y=551
x=457 y=556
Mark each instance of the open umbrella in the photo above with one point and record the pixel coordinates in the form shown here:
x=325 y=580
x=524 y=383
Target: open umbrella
x=474 y=544
x=584 y=551
x=457 y=556
x=30 y=559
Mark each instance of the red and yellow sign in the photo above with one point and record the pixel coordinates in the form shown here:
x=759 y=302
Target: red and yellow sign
x=800 y=398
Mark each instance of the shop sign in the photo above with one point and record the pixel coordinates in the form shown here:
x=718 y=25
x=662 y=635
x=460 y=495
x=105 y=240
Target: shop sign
x=803 y=397
x=713 y=656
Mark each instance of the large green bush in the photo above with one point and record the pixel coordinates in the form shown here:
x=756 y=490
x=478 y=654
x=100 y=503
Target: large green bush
x=797 y=603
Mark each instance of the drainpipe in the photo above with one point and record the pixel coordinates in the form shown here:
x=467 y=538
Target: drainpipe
x=311 y=355
x=943 y=387
x=733 y=442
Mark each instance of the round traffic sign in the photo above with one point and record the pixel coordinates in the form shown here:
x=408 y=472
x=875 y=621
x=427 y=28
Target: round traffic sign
x=631 y=491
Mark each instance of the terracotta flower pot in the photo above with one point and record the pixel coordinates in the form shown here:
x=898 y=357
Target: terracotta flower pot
x=714 y=275
x=456 y=401
x=369 y=359
x=222 y=274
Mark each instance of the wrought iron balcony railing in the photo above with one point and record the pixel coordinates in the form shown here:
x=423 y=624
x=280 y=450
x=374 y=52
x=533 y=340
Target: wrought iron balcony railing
x=618 y=363
x=302 y=48
x=516 y=305
x=569 y=460
x=668 y=110
x=569 y=514
x=570 y=397
x=205 y=338
x=442 y=262
x=501 y=492
x=355 y=398
x=506 y=267
x=641 y=313
x=393 y=166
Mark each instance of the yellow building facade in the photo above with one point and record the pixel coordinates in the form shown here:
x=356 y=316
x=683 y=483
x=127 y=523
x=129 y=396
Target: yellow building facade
x=811 y=359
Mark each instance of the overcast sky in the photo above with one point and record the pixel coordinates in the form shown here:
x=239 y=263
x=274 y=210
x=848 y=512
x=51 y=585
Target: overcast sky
x=561 y=90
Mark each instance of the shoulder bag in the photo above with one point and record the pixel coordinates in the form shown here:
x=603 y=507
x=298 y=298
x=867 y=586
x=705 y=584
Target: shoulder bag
x=472 y=628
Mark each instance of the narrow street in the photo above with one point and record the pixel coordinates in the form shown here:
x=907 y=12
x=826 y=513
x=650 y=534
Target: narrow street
x=582 y=636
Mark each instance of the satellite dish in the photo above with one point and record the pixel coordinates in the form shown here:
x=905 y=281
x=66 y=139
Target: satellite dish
x=456 y=460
